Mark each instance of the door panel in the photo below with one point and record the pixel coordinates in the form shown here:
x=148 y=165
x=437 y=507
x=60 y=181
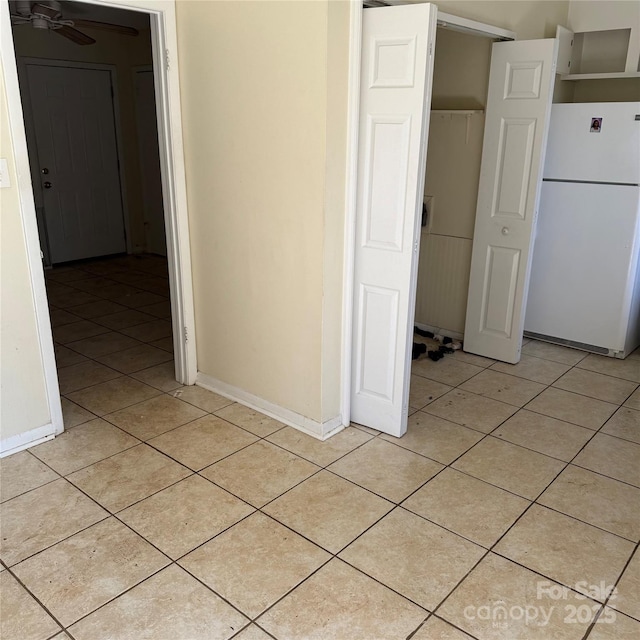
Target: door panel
x=74 y=125
x=394 y=103
x=514 y=167
x=517 y=120
x=379 y=314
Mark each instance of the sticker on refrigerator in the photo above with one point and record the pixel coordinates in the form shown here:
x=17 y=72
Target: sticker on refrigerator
x=596 y=125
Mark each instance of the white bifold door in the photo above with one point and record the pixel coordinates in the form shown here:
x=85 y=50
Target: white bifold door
x=515 y=138
x=397 y=67
x=395 y=99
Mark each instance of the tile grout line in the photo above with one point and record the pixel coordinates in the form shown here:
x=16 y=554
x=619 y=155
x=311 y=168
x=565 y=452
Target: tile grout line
x=28 y=591
x=354 y=483
x=374 y=492
x=115 y=516
x=171 y=561
x=611 y=596
x=490 y=550
x=523 y=407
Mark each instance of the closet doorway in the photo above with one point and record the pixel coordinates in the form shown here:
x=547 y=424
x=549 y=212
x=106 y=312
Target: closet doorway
x=390 y=199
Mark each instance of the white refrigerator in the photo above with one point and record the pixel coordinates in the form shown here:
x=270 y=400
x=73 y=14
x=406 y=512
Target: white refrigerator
x=584 y=289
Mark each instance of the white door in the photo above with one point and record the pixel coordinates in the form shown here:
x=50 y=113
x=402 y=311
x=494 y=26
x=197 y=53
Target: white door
x=74 y=125
x=397 y=67
x=516 y=125
x=150 y=164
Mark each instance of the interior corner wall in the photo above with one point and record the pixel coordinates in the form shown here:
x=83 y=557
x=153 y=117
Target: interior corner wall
x=23 y=395
x=254 y=100
x=124 y=52
x=335 y=204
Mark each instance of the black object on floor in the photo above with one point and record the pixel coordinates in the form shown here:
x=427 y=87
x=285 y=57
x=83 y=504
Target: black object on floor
x=444 y=349
x=418 y=350
x=435 y=355
x=447 y=340
x=423 y=333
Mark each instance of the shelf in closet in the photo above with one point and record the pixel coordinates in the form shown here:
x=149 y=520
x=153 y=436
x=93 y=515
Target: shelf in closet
x=601 y=76
x=458 y=112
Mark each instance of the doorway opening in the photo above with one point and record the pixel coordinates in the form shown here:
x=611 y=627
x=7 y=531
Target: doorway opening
x=89 y=110
x=109 y=194
x=456 y=131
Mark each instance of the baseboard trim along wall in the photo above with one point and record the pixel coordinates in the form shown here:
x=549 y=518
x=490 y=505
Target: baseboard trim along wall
x=21 y=441
x=319 y=430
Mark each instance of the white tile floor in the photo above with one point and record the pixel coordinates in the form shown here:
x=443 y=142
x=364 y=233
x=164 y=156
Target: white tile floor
x=510 y=509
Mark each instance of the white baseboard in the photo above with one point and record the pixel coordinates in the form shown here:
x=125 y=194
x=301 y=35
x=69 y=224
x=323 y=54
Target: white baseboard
x=21 y=441
x=440 y=331
x=319 y=430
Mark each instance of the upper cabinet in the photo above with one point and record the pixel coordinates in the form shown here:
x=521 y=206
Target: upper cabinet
x=603 y=41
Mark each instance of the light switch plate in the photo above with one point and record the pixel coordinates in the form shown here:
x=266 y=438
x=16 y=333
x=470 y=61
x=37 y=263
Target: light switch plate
x=5 y=180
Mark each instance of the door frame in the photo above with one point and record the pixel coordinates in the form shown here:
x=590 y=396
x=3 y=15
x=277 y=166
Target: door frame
x=351 y=191
x=353 y=122
x=23 y=62
x=164 y=45
x=141 y=68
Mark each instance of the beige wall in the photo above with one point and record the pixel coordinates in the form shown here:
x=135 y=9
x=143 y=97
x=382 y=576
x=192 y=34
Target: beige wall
x=23 y=399
x=260 y=121
x=460 y=70
x=334 y=209
x=124 y=52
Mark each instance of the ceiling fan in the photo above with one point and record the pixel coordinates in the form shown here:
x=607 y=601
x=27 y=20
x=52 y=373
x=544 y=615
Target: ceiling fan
x=47 y=14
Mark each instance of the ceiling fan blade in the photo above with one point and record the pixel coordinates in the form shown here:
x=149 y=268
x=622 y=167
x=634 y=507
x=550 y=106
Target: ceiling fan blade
x=106 y=26
x=48 y=11
x=74 y=35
